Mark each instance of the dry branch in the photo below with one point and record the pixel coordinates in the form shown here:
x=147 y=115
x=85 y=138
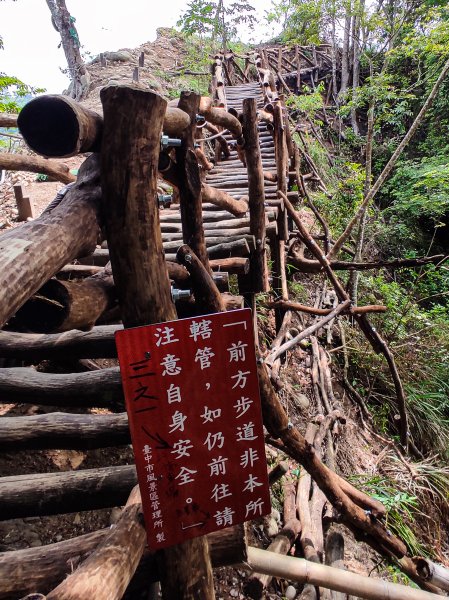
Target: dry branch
x=23 y=162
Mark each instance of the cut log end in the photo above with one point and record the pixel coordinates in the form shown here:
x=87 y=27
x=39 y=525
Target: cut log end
x=50 y=126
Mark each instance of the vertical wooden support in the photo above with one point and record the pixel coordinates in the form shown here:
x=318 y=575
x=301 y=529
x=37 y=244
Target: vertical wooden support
x=129 y=180
x=298 y=70
x=189 y=187
x=136 y=74
x=258 y=259
x=280 y=60
x=142 y=59
x=102 y=60
x=278 y=244
x=280 y=149
x=24 y=204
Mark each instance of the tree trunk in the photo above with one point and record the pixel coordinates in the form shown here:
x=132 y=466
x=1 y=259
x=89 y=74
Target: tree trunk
x=345 y=52
x=65 y=24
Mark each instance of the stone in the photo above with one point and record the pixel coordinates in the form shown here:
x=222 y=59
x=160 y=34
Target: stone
x=302 y=401
x=290 y=592
x=119 y=56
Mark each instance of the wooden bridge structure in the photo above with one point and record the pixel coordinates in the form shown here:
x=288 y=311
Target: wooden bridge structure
x=172 y=203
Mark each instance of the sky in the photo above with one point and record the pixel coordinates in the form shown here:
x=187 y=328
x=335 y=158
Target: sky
x=31 y=50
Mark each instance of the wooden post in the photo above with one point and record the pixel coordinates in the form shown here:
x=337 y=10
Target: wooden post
x=102 y=60
x=136 y=74
x=258 y=264
x=298 y=70
x=280 y=148
x=24 y=204
x=142 y=59
x=189 y=182
x=129 y=181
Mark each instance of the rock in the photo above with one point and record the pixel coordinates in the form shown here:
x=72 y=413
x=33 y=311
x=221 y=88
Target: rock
x=290 y=592
x=119 y=56
x=234 y=593
x=302 y=401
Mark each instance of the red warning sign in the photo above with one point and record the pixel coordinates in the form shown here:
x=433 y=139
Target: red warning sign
x=193 y=403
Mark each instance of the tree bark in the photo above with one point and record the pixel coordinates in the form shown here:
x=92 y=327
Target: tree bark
x=54 y=125
x=189 y=188
x=297 y=569
x=66 y=305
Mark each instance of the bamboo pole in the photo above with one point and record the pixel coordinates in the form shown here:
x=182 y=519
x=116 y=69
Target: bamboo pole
x=303 y=571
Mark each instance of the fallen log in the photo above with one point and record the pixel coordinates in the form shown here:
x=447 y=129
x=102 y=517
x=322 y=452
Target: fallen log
x=35 y=251
x=97 y=343
x=40 y=569
x=95 y=388
x=55 y=125
x=64 y=492
x=303 y=571
x=63 y=430
x=23 y=162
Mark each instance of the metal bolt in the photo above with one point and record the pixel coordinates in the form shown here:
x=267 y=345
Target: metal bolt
x=188 y=258
x=164 y=199
x=178 y=294
x=168 y=142
x=200 y=119
x=197 y=145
